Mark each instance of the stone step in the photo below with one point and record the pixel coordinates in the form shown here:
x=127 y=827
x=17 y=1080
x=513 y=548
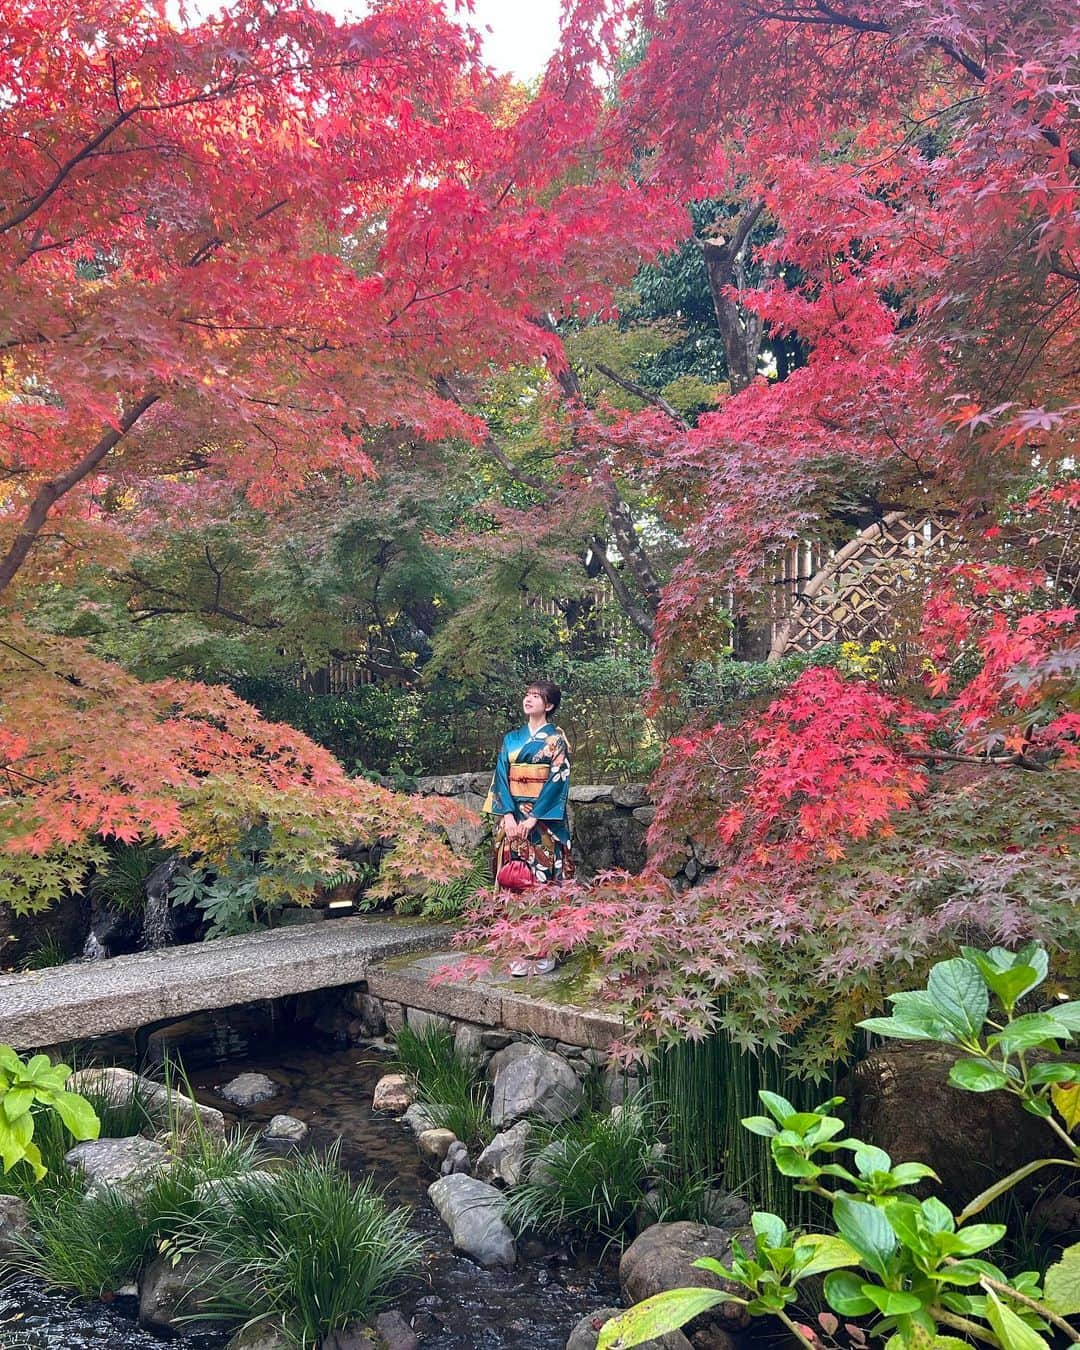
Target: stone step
x=122 y=993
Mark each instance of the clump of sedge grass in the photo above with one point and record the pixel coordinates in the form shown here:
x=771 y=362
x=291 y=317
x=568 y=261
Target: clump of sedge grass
x=586 y=1177
x=308 y=1252
x=449 y=1084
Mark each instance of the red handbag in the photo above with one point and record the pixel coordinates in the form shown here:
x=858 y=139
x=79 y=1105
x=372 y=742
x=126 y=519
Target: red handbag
x=514 y=875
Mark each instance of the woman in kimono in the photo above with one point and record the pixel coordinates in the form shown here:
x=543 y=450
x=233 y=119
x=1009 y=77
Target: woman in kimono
x=528 y=797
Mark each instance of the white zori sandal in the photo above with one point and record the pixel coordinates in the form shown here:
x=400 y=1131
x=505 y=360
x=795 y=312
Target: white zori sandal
x=532 y=966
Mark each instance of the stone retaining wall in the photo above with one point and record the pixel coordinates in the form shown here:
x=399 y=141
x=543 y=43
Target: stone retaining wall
x=607 y=821
x=355 y=1016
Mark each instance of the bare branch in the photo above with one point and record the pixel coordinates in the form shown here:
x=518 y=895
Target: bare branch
x=639 y=391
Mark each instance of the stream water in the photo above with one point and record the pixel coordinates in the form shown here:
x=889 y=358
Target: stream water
x=454 y=1305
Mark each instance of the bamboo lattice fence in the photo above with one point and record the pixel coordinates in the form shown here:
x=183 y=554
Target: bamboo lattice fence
x=857 y=593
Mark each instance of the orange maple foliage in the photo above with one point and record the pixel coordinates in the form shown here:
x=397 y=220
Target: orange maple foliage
x=109 y=756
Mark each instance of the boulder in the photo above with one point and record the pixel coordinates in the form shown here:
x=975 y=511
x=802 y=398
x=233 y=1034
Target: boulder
x=473 y=1211
x=900 y=1099
x=419 y=1118
x=261 y=1337
x=14 y=1223
x=248 y=1089
x=169 y=1292
x=508 y=1055
x=663 y=1257
x=168 y=1104
x=630 y=795
x=370 y=1012
x=395 y=1332
x=435 y=1144
x=228 y=1192
x=456 y=1160
x=113 y=932
x=468 y=1041
x=284 y=1134
x=124 y=1163
x=584 y=1335
x=394 y=1092
x=540 y=1169
x=504 y=1158
x=531 y=1081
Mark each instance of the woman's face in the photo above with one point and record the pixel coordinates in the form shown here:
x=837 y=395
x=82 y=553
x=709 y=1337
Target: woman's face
x=533 y=704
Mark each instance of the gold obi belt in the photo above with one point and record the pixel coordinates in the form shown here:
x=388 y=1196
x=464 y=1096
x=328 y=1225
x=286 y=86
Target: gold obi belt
x=526 y=780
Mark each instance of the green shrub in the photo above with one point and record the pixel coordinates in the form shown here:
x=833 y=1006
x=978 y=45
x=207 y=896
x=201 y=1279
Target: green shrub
x=682 y=1193
x=449 y=1085
x=308 y=1252
x=117 y=1118
x=378 y=727
x=121 y=1116
x=93 y=1243
x=49 y=951
x=121 y=884
x=586 y=1177
x=913 y=1267
x=169 y=1201
x=33 y=1096
x=244 y=891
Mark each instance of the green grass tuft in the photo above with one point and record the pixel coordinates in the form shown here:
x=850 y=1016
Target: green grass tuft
x=309 y=1252
x=90 y=1244
x=586 y=1177
x=449 y=1085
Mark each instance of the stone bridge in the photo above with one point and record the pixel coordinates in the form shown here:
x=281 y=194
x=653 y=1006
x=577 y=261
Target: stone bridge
x=123 y=993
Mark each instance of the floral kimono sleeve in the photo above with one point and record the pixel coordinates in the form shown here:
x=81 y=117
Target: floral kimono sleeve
x=551 y=803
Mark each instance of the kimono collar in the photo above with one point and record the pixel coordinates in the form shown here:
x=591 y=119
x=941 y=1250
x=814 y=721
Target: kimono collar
x=547 y=728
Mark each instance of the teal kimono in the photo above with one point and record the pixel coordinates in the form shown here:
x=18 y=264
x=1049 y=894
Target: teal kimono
x=532 y=780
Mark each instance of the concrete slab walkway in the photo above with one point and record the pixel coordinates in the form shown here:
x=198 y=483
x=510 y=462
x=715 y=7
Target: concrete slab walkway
x=537 y=1006
x=122 y=993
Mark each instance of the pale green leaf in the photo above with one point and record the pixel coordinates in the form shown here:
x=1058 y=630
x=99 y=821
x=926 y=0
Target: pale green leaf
x=1062 y=1285
x=822 y=1252
x=77 y=1114
x=1011 y=1331
x=656 y=1316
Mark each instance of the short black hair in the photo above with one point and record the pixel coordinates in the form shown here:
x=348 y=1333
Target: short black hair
x=549 y=692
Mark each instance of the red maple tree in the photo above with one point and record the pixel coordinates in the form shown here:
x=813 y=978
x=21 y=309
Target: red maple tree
x=231 y=252
x=917 y=165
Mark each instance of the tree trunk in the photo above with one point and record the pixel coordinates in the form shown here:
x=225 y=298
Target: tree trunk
x=725 y=267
